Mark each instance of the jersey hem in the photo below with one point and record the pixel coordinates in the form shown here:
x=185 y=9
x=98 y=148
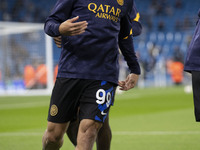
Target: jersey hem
x=88 y=77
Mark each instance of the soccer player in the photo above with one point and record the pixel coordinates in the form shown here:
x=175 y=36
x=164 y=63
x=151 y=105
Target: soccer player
x=192 y=65
x=88 y=67
x=127 y=30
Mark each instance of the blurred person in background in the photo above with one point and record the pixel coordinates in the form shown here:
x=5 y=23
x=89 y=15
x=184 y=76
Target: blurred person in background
x=175 y=66
x=192 y=65
x=175 y=69
x=29 y=77
x=41 y=76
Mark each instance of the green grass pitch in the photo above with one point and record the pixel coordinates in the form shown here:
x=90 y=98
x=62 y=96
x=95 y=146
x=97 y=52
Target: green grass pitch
x=141 y=119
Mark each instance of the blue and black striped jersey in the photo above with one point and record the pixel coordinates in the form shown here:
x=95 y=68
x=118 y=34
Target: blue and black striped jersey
x=94 y=54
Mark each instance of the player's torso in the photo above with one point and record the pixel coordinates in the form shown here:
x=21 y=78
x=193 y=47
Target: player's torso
x=103 y=17
x=193 y=55
x=93 y=54
x=195 y=43
x=111 y=10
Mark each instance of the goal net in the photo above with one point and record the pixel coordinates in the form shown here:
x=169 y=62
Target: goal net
x=26 y=59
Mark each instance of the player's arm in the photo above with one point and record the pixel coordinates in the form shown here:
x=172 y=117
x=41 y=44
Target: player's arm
x=59 y=22
x=127 y=48
x=133 y=18
x=136 y=25
x=129 y=28
x=126 y=44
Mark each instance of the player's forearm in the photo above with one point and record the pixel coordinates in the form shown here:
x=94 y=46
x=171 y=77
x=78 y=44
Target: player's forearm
x=134 y=67
x=60 y=13
x=52 y=28
x=127 y=48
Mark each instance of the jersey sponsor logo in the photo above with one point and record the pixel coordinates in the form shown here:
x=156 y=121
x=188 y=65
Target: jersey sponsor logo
x=53 y=110
x=105 y=11
x=120 y=2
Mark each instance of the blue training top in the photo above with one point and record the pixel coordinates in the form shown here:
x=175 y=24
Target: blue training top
x=192 y=62
x=93 y=54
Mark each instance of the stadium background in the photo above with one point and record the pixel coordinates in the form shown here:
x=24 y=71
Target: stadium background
x=148 y=117
x=167 y=30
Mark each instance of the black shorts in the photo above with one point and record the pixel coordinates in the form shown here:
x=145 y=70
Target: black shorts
x=92 y=97
x=196 y=93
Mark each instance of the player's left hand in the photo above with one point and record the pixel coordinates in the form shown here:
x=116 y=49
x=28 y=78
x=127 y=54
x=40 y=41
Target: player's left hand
x=129 y=83
x=57 y=41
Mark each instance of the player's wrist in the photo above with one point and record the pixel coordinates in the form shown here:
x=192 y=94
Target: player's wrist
x=61 y=29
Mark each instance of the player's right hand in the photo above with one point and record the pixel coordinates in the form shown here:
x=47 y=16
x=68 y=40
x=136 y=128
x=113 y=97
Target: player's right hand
x=71 y=28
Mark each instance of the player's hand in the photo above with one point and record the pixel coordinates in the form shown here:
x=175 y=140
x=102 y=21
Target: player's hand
x=57 y=41
x=129 y=83
x=71 y=28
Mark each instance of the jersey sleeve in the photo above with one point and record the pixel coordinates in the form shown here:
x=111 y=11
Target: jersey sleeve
x=130 y=24
x=60 y=13
x=134 y=20
x=129 y=27
x=127 y=48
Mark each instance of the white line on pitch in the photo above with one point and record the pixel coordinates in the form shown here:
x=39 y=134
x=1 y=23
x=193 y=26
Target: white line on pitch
x=155 y=132
x=130 y=133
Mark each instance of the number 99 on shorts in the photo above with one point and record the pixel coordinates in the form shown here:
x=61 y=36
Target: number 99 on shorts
x=103 y=96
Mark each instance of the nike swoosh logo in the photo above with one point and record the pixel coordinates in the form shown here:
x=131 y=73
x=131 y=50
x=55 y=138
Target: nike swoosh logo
x=103 y=113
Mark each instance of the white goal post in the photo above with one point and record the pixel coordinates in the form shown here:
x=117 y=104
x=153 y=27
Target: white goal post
x=22 y=45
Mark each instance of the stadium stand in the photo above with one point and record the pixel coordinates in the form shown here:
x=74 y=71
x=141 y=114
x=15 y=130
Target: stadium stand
x=167 y=26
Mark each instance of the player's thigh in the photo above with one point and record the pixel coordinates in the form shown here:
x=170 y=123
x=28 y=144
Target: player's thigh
x=196 y=78
x=88 y=126
x=196 y=93
x=64 y=100
x=105 y=131
x=106 y=122
x=96 y=101
x=196 y=83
